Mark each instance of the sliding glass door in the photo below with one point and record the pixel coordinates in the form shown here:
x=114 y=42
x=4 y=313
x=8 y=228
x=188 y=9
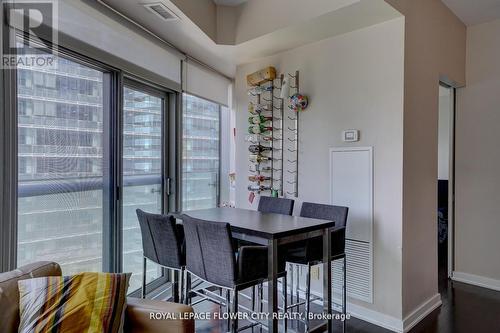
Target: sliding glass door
x=143 y=171
x=62 y=122
x=80 y=180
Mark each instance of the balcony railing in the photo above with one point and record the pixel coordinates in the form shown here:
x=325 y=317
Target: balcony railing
x=62 y=220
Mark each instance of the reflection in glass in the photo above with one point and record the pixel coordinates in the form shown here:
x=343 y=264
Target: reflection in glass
x=60 y=165
x=200 y=158
x=142 y=174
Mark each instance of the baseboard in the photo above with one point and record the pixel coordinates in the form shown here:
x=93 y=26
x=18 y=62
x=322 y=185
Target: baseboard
x=389 y=322
x=476 y=280
x=373 y=317
x=421 y=312
x=376 y=318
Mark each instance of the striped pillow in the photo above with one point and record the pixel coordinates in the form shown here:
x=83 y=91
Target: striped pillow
x=87 y=302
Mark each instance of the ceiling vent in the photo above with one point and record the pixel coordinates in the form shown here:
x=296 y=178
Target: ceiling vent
x=161 y=11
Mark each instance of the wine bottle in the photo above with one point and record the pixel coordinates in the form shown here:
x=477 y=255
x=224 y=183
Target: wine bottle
x=258 y=188
x=262 y=107
x=258 y=158
x=258 y=108
x=256 y=149
x=255 y=138
x=251 y=108
x=259 y=129
x=259 y=119
x=258 y=178
x=266 y=138
x=259 y=90
x=259 y=168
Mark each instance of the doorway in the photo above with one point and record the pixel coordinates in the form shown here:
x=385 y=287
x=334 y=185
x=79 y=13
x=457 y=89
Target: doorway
x=445 y=183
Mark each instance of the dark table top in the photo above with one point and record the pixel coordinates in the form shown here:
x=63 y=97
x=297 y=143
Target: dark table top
x=265 y=225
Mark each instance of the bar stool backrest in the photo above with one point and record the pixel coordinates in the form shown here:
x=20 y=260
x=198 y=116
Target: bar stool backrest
x=209 y=251
x=276 y=205
x=338 y=214
x=162 y=240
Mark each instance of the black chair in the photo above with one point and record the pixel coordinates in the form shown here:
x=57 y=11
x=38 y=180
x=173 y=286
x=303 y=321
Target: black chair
x=163 y=244
x=275 y=205
x=311 y=253
x=211 y=257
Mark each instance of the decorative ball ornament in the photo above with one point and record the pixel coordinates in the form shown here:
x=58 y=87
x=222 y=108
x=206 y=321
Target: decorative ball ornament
x=298 y=102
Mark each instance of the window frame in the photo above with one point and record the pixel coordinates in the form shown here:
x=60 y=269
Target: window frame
x=132 y=83
x=111 y=81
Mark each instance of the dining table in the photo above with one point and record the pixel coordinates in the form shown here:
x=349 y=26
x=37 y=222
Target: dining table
x=274 y=230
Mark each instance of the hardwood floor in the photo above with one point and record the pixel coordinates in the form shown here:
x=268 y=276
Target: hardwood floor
x=465 y=309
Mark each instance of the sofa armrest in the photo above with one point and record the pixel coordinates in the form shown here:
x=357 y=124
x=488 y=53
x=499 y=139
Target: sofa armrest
x=138 y=317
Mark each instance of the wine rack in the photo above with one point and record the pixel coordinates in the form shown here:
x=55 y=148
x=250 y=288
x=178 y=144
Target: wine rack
x=265 y=137
x=292 y=139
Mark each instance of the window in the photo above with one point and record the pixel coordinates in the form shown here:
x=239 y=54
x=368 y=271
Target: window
x=78 y=175
x=200 y=156
x=60 y=173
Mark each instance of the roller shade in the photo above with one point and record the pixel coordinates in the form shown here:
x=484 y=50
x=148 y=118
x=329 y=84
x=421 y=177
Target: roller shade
x=203 y=82
x=98 y=34
x=99 y=27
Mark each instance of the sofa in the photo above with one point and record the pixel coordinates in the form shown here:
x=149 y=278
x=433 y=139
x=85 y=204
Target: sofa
x=136 y=315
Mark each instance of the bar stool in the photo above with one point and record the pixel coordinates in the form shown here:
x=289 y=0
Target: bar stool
x=211 y=257
x=311 y=253
x=272 y=205
x=163 y=244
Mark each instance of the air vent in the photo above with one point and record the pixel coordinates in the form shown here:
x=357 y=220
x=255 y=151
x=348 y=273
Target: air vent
x=161 y=11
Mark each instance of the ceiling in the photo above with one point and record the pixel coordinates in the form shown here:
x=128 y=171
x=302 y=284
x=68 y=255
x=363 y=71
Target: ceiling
x=229 y=2
x=473 y=12
x=338 y=17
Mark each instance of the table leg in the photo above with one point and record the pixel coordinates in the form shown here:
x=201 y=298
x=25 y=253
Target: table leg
x=272 y=285
x=327 y=277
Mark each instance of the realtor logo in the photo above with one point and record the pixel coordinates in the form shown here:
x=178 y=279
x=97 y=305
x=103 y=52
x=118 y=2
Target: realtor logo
x=33 y=33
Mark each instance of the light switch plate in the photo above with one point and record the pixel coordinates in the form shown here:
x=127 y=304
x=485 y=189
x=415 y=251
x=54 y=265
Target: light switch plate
x=350 y=135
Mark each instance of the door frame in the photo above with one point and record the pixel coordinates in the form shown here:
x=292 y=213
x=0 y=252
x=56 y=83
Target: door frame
x=167 y=174
x=451 y=180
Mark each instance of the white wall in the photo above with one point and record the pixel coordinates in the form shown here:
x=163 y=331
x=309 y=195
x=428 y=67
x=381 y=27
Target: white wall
x=353 y=81
x=477 y=223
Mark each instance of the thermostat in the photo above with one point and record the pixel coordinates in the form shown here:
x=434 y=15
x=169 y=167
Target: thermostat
x=350 y=135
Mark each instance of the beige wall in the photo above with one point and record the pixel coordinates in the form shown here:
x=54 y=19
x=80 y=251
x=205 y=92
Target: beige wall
x=353 y=81
x=256 y=18
x=478 y=158
x=202 y=12
x=434 y=48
